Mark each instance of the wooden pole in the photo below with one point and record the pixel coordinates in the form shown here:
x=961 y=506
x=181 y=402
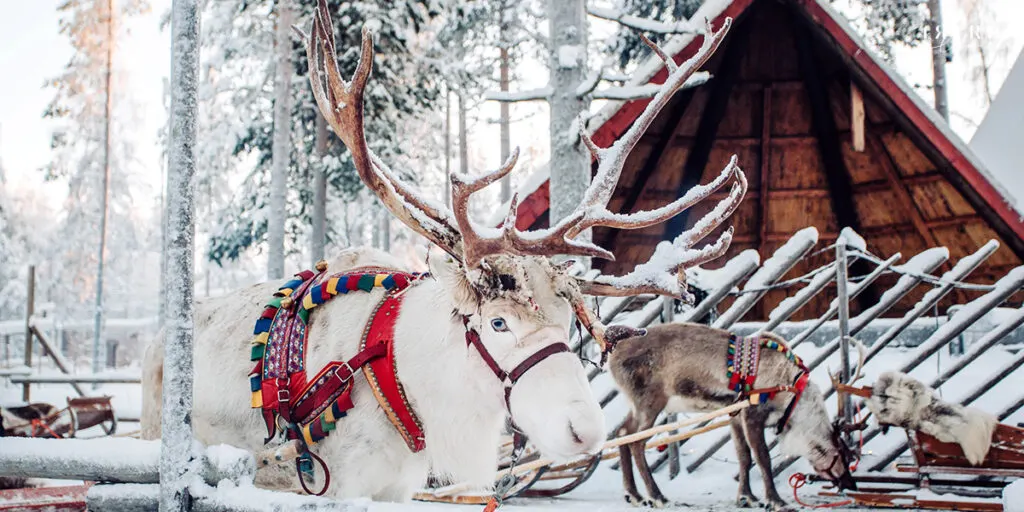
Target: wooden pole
x=506 y=144
x=29 y=309
x=632 y=438
x=843 y=299
x=97 y=335
x=176 y=454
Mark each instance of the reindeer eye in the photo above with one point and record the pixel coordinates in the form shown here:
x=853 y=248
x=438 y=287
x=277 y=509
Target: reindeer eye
x=499 y=325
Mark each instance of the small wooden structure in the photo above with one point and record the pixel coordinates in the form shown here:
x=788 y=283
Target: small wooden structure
x=828 y=135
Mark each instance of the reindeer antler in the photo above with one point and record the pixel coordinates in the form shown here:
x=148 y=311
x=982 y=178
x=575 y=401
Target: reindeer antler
x=341 y=103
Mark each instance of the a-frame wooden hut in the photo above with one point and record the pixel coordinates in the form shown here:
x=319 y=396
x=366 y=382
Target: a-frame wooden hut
x=829 y=137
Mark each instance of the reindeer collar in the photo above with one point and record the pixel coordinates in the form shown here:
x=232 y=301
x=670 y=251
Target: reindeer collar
x=743 y=357
x=311 y=408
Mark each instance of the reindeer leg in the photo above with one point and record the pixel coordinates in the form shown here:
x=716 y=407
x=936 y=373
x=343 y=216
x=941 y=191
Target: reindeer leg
x=753 y=424
x=626 y=463
x=745 y=498
x=657 y=499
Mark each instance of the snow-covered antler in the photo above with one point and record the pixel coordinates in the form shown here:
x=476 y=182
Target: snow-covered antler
x=662 y=274
x=341 y=104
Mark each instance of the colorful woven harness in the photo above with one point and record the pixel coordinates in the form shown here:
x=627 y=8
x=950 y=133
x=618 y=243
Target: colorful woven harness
x=311 y=408
x=279 y=352
x=741 y=363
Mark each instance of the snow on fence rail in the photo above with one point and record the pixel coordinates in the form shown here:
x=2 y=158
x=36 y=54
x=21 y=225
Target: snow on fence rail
x=759 y=278
x=130 y=469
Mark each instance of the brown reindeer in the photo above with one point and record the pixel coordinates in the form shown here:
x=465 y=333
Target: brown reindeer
x=682 y=368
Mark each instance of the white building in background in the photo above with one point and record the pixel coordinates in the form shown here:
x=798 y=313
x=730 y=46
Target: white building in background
x=999 y=141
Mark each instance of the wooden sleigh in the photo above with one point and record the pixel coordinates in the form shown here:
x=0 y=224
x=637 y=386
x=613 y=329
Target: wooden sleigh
x=537 y=477
x=943 y=468
x=45 y=420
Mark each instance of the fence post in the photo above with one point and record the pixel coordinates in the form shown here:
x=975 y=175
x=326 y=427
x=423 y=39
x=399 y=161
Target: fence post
x=30 y=304
x=668 y=315
x=844 y=329
x=179 y=311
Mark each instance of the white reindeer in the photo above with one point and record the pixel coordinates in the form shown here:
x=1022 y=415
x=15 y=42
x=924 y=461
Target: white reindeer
x=500 y=280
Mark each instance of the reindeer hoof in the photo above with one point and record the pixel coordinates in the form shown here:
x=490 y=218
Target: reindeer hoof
x=747 y=501
x=634 y=500
x=780 y=507
x=655 y=503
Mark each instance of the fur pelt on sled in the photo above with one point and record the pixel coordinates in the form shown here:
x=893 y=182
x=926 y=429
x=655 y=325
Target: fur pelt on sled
x=900 y=400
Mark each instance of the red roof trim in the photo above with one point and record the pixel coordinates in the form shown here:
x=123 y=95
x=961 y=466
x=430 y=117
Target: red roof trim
x=620 y=121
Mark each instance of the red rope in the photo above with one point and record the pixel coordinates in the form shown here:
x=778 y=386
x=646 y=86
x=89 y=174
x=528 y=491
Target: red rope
x=38 y=425
x=797 y=480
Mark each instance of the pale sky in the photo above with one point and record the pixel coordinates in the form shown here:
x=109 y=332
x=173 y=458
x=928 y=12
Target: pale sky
x=34 y=51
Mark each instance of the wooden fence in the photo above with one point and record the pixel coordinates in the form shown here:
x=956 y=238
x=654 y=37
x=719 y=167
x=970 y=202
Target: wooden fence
x=746 y=280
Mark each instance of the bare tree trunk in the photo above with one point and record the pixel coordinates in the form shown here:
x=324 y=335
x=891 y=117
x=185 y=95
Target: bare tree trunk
x=281 y=149
x=938 y=59
x=385 y=230
x=176 y=452
x=570 y=167
x=105 y=198
x=506 y=143
x=447 y=148
x=463 y=145
x=319 y=193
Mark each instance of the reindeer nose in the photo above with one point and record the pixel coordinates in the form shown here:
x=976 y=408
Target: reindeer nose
x=586 y=439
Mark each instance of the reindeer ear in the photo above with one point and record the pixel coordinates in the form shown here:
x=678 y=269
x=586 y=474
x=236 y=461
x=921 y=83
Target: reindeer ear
x=452 y=275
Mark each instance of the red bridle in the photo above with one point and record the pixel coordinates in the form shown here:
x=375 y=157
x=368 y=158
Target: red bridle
x=509 y=379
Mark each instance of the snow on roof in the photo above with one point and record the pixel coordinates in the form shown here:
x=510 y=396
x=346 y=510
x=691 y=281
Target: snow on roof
x=998 y=139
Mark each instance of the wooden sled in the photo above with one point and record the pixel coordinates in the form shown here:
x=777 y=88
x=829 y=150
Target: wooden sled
x=1005 y=457
x=45 y=420
x=539 y=477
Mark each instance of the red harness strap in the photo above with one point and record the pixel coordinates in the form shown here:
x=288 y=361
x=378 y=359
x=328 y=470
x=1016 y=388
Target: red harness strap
x=382 y=373
x=798 y=391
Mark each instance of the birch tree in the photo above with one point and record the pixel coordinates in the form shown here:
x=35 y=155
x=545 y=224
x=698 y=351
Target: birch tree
x=281 y=152
x=241 y=127
x=93 y=154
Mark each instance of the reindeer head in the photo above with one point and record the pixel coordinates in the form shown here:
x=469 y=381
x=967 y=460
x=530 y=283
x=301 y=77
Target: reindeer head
x=811 y=435
x=502 y=280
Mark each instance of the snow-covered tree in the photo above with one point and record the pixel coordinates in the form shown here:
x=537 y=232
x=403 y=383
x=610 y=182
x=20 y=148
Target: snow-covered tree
x=79 y=112
x=237 y=101
x=981 y=47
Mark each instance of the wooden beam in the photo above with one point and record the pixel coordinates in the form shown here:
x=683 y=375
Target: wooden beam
x=654 y=159
x=714 y=111
x=857 y=117
x=766 y=150
x=837 y=175
x=903 y=197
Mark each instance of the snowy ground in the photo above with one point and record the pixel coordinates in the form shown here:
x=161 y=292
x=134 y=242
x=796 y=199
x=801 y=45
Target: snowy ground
x=712 y=486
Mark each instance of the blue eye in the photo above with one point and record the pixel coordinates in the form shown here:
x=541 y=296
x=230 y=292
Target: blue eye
x=499 y=325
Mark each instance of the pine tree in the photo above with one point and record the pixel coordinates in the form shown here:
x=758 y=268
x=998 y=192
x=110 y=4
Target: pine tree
x=239 y=41
x=80 y=146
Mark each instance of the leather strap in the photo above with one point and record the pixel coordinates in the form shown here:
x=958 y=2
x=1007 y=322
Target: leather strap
x=382 y=373
x=538 y=356
x=509 y=379
x=798 y=391
x=334 y=376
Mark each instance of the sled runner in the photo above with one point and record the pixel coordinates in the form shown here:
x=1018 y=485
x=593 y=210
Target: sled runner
x=942 y=467
x=45 y=420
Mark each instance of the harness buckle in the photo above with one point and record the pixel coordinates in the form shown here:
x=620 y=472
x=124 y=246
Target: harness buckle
x=283 y=395
x=345 y=366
